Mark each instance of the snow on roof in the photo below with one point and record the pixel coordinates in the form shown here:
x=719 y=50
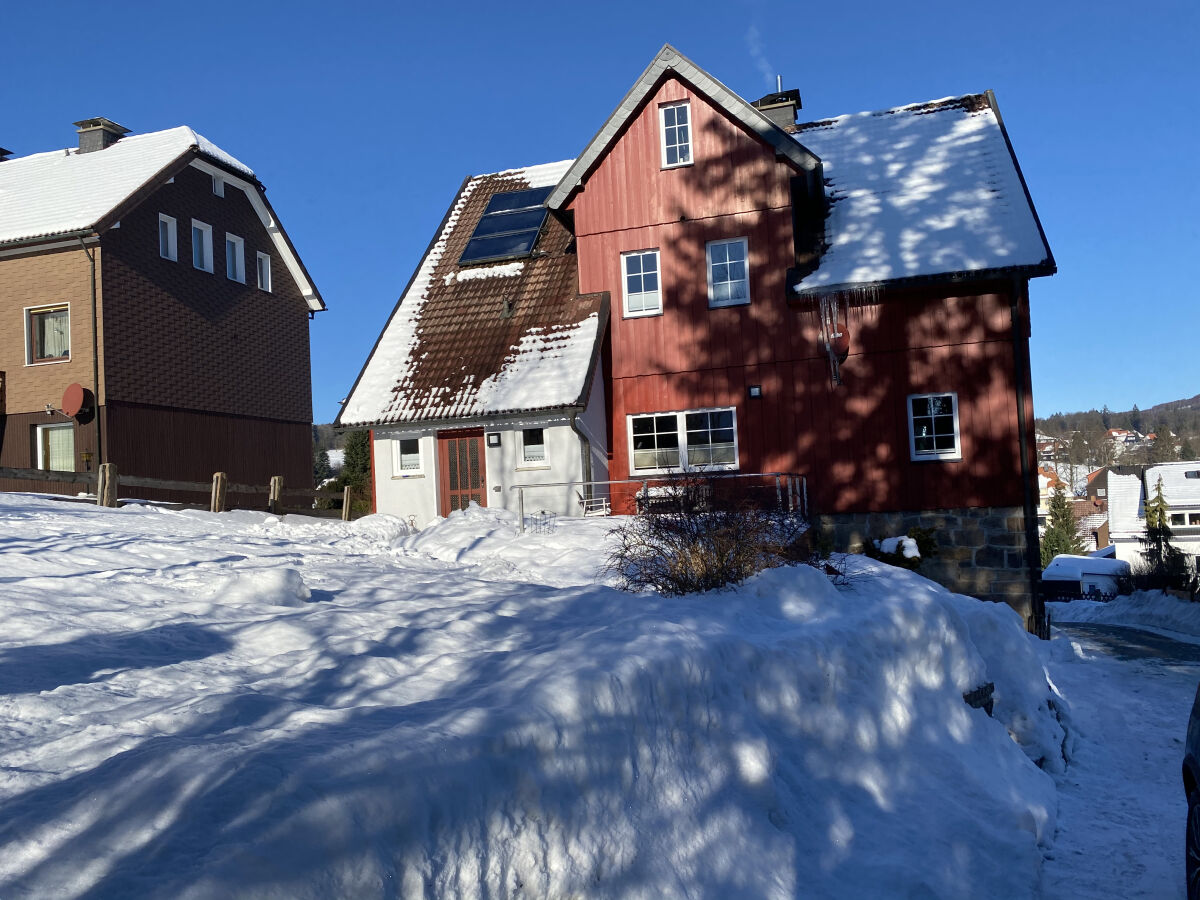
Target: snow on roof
x=62 y=191
x=1178 y=489
x=1126 y=515
x=449 y=353
x=920 y=190
x=1068 y=567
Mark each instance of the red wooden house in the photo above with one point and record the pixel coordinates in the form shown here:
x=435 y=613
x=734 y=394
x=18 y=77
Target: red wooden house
x=845 y=299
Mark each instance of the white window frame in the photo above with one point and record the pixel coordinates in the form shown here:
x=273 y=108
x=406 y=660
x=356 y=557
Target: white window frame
x=263 y=268
x=398 y=470
x=239 y=258
x=539 y=459
x=28 y=317
x=206 y=243
x=218 y=185
x=681 y=432
x=41 y=445
x=713 y=303
x=172 y=247
x=1193 y=519
x=625 y=257
x=662 y=134
x=934 y=455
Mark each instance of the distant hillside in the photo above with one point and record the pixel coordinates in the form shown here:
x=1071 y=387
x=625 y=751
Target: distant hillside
x=1181 y=417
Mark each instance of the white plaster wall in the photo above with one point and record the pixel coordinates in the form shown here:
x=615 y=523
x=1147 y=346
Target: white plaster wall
x=564 y=462
x=410 y=494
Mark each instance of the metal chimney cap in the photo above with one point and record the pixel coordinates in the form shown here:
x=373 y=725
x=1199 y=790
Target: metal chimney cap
x=101 y=122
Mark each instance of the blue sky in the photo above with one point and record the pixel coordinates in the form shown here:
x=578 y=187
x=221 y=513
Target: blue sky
x=362 y=120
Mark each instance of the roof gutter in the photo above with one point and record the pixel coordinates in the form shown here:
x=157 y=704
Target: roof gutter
x=78 y=234
x=495 y=422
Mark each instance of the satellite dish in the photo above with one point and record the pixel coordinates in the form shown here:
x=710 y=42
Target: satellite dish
x=76 y=399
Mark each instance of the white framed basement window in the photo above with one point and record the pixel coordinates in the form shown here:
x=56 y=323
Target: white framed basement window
x=235 y=258
x=533 y=445
x=406 y=457
x=56 y=447
x=641 y=283
x=691 y=439
x=933 y=427
x=675 y=131
x=168 y=239
x=202 y=246
x=264 y=272
x=728 y=272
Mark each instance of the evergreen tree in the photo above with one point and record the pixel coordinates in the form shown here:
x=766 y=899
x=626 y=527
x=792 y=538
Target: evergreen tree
x=1165 y=566
x=1135 y=419
x=321 y=467
x=1186 y=450
x=1106 y=417
x=1062 y=532
x=356 y=470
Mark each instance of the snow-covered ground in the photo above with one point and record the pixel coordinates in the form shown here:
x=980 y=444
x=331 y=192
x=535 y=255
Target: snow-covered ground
x=237 y=705
x=1143 y=609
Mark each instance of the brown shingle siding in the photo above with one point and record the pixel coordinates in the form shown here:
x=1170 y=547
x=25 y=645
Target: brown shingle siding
x=183 y=338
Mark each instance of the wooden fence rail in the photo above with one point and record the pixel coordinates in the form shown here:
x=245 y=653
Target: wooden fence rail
x=106 y=482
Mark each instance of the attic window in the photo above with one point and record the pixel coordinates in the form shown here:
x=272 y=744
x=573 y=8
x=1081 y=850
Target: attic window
x=509 y=226
x=1194 y=473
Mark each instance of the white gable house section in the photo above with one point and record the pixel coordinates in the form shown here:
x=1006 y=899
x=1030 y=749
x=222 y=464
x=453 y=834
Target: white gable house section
x=413 y=493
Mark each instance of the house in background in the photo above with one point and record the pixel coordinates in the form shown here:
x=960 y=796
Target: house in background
x=711 y=286
x=1129 y=487
x=156 y=314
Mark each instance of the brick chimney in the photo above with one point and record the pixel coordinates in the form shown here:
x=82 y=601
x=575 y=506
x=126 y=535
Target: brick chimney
x=780 y=107
x=98 y=133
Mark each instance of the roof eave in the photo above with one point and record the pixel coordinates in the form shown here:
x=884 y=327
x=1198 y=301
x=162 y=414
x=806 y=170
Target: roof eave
x=1046 y=267
x=480 y=420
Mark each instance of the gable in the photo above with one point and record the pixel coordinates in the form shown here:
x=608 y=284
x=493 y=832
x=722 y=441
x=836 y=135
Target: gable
x=732 y=169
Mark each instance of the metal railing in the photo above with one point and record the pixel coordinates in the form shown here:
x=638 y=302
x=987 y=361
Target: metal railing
x=790 y=489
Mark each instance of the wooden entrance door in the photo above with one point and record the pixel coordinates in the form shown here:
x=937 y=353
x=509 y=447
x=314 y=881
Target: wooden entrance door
x=461 y=469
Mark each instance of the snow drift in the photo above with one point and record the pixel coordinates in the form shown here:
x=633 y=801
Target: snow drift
x=204 y=706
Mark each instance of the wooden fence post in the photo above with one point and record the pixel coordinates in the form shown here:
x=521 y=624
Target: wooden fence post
x=219 y=487
x=109 y=481
x=275 y=497
x=347 y=502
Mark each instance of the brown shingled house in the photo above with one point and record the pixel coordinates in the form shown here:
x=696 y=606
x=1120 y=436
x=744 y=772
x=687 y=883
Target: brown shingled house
x=156 y=314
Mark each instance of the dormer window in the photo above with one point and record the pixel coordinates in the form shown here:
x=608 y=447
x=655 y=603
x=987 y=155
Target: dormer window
x=676 y=128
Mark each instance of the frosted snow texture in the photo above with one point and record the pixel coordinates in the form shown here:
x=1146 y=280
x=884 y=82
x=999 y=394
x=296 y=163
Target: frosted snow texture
x=915 y=192
x=238 y=705
x=64 y=190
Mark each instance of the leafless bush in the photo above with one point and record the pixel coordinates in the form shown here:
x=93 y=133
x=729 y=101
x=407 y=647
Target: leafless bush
x=698 y=533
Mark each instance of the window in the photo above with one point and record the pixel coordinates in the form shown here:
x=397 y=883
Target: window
x=509 y=226
x=1101 y=492
x=728 y=277
x=218 y=185
x=933 y=426
x=533 y=445
x=1177 y=518
x=406 y=456
x=643 y=294
x=264 y=272
x=56 y=447
x=202 y=246
x=47 y=334
x=1194 y=518
x=235 y=258
x=676 y=134
x=168 y=247
x=693 y=439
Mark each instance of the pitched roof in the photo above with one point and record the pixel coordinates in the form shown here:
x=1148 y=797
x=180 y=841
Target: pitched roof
x=930 y=189
x=1126 y=515
x=66 y=193
x=669 y=59
x=1178 y=489
x=450 y=351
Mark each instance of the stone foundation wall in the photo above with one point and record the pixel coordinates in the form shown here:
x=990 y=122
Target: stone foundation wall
x=981 y=551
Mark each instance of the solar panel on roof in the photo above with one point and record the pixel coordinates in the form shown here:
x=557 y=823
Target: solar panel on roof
x=509 y=226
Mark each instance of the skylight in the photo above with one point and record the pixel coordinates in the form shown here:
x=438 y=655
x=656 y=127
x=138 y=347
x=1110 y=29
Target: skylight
x=509 y=226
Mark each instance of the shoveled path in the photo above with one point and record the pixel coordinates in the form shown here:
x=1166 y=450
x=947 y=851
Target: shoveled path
x=1121 y=807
